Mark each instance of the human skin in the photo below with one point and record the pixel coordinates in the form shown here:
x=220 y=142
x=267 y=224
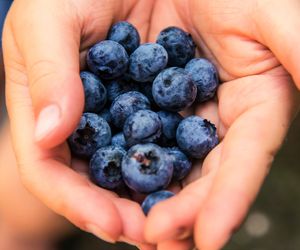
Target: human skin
x=254 y=47
x=25 y=221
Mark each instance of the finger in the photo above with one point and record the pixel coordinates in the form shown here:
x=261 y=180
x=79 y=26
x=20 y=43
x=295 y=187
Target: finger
x=114 y=212
x=140 y=17
x=248 y=150
x=175 y=217
x=187 y=244
x=162 y=19
x=29 y=216
x=277 y=23
x=52 y=67
x=140 y=246
x=46 y=175
x=133 y=219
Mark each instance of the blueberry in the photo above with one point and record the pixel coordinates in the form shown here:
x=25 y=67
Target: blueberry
x=106 y=115
x=107 y=59
x=174 y=90
x=205 y=75
x=94 y=91
x=92 y=133
x=179 y=45
x=170 y=121
x=154 y=198
x=182 y=164
x=105 y=167
x=125 y=105
x=196 y=136
x=147 y=168
x=142 y=127
x=147 y=61
x=125 y=34
x=118 y=87
x=119 y=140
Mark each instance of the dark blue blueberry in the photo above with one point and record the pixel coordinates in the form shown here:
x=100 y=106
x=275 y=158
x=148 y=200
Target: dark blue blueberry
x=117 y=87
x=179 y=45
x=170 y=123
x=196 y=136
x=147 y=61
x=205 y=75
x=92 y=133
x=174 y=90
x=182 y=164
x=142 y=127
x=147 y=168
x=154 y=198
x=105 y=167
x=119 y=140
x=94 y=92
x=106 y=115
x=125 y=105
x=125 y=34
x=107 y=59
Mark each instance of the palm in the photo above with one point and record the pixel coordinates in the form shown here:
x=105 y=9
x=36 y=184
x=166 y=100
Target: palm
x=65 y=192
x=254 y=86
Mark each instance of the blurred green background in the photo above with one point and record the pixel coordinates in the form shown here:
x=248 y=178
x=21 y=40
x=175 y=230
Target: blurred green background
x=274 y=220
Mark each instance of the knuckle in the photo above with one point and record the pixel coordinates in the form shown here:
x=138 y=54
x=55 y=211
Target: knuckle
x=41 y=71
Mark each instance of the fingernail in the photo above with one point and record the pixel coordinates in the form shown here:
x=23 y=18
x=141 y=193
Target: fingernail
x=179 y=234
x=47 y=121
x=183 y=234
x=95 y=230
x=128 y=241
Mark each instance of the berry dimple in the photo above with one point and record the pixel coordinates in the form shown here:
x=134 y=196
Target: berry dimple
x=93 y=132
x=105 y=167
x=146 y=168
x=196 y=136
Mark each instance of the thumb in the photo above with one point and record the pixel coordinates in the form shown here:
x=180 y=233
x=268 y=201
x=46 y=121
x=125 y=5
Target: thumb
x=49 y=41
x=278 y=23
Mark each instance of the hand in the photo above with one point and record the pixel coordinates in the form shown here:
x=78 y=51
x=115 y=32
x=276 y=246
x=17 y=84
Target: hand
x=43 y=41
x=23 y=217
x=34 y=74
x=255 y=47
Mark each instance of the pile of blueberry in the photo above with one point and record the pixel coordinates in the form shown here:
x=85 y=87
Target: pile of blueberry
x=131 y=131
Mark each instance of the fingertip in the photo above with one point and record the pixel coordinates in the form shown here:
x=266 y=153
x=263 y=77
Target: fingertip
x=163 y=223
x=217 y=220
x=133 y=219
x=186 y=244
x=155 y=224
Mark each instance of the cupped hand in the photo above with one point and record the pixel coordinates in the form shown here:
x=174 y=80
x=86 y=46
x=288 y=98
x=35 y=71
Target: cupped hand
x=43 y=41
x=254 y=45
x=249 y=44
